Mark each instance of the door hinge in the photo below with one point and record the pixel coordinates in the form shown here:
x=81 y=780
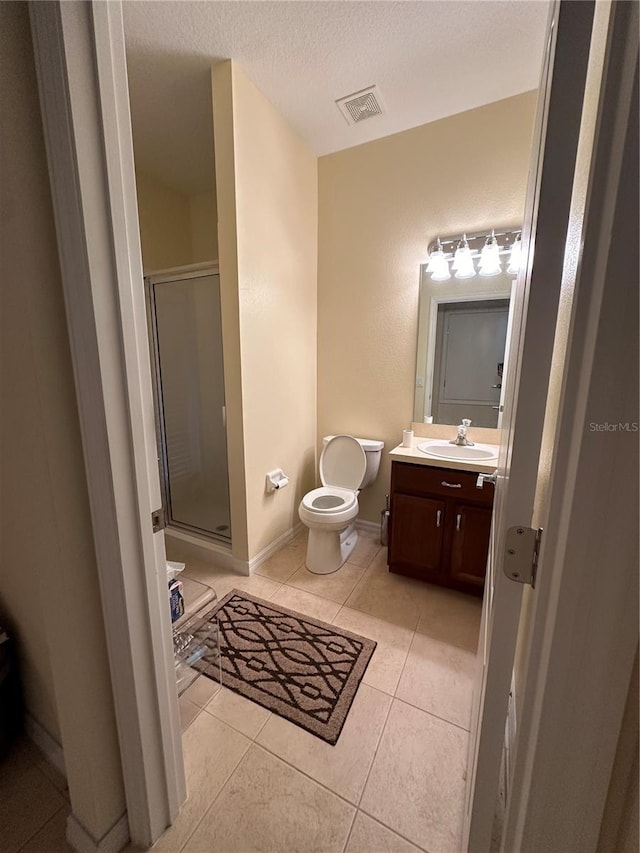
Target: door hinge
x=521 y=554
x=158 y=520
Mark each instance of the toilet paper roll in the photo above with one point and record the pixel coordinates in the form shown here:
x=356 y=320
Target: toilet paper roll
x=282 y=482
x=407 y=438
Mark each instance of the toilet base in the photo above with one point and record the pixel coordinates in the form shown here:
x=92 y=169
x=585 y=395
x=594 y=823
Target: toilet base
x=328 y=550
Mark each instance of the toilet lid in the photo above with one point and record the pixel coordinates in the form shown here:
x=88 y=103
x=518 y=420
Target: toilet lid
x=343 y=463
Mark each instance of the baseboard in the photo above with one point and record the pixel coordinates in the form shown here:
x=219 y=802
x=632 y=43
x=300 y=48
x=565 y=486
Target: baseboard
x=182 y=546
x=112 y=842
x=363 y=524
x=47 y=745
x=247 y=567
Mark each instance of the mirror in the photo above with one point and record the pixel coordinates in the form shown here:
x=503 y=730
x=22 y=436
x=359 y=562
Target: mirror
x=463 y=329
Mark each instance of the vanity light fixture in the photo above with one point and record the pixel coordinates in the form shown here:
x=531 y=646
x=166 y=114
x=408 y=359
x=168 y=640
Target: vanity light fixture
x=438 y=265
x=463 y=250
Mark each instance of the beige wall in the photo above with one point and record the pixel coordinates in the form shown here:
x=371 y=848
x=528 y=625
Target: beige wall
x=267 y=207
x=380 y=205
x=203 y=217
x=48 y=576
x=165 y=225
x=175 y=229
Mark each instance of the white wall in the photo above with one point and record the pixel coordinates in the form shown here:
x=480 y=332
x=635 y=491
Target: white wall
x=380 y=205
x=268 y=207
x=48 y=576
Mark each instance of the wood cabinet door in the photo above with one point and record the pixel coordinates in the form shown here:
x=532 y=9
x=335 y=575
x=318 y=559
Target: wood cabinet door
x=417 y=526
x=470 y=544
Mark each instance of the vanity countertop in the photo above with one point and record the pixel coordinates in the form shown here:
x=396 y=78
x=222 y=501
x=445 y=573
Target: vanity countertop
x=412 y=454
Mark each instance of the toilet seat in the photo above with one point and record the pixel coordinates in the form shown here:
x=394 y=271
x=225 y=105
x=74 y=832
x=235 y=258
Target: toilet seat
x=329 y=499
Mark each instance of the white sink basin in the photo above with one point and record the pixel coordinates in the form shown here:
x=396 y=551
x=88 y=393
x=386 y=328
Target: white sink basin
x=443 y=450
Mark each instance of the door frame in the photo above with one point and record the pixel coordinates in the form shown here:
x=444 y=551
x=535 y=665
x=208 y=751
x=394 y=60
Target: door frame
x=539 y=293
x=94 y=197
x=82 y=80
x=582 y=638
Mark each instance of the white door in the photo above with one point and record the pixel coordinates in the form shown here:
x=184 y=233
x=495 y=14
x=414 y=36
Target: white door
x=470 y=364
x=526 y=383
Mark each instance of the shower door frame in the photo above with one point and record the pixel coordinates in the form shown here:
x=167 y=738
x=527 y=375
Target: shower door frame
x=174 y=274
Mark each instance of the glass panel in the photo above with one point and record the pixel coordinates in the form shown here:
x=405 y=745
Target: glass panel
x=189 y=340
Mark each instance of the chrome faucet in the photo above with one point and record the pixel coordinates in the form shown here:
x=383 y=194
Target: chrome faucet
x=461 y=439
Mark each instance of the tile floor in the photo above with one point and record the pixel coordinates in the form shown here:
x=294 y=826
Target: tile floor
x=394 y=781
x=34 y=803
x=392 y=784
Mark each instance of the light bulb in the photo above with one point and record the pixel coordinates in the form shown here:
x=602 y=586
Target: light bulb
x=462 y=260
x=490 y=257
x=438 y=265
x=515 y=257
x=441 y=271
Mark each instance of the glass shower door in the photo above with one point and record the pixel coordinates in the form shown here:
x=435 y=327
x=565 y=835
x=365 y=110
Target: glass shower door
x=186 y=332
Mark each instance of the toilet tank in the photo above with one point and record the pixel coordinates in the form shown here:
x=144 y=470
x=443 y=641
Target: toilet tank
x=373 y=453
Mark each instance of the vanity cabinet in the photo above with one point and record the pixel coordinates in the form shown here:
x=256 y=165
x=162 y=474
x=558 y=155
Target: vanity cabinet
x=439 y=525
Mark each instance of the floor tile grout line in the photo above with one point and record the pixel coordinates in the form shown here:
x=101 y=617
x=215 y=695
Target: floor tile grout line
x=353 y=823
x=281 y=581
x=359 y=581
x=391 y=829
x=42 y=826
x=257 y=734
x=315 y=595
x=227 y=723
x=338 y=612
x=375 y=752
x=304 y=773
x=302 y=589
x=64 y=792
x=404 y=665
x=431 y=714
x=213 y=802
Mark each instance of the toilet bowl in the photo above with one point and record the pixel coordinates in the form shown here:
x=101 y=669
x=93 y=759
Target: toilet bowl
x=347 y=464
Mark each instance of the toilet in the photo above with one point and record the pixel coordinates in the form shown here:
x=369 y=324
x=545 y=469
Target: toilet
x=347 y=464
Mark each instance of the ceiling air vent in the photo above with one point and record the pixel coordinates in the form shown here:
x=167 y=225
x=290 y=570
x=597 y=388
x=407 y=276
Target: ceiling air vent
x=361 y=105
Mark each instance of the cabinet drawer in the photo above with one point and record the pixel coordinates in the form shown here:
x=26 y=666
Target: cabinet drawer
x=445 y=482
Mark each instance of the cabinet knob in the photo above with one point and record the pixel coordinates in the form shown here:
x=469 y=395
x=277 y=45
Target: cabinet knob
x=458 y=520
x=438 y=516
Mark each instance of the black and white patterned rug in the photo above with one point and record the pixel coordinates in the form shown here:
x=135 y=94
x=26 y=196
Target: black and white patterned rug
x=300 y=668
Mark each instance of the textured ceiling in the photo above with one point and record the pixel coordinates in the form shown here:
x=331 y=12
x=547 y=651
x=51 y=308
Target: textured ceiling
x=429 y=59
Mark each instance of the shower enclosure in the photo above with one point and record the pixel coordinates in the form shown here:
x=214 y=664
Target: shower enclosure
x=185 y=336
